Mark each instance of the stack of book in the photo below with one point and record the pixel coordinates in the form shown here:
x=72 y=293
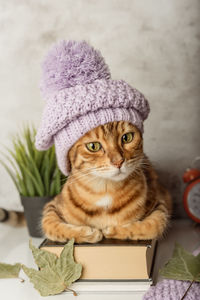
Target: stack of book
x=111 y=265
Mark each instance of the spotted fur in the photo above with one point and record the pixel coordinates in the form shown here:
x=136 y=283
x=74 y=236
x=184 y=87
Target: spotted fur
x=113 y=192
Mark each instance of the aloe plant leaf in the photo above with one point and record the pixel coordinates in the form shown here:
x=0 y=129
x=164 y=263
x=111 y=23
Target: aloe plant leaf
x=35 y=171
x=47 y=175
x=38 y=157
x=58 y=183
x=22 y=186
x=28 y=140
x=53 y=188
x=10 y=160
x=37 y=186
x=52 y=160
x=30 y=187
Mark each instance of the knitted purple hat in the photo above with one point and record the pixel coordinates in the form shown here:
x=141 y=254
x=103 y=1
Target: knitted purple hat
x=80 y=95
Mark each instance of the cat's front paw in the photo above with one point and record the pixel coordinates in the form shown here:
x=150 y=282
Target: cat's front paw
x=109 y=231
x=116 y=232
x=90 y=235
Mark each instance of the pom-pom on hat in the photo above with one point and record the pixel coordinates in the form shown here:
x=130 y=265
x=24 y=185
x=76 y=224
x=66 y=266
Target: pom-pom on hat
x=72 y=63
x=80 y=95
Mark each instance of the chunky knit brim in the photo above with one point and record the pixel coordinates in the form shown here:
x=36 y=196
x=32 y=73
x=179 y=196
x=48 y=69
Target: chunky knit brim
x=64 y=139
x=72 y=103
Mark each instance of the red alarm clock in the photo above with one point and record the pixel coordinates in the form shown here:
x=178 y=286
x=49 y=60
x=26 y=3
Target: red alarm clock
x=191 y=197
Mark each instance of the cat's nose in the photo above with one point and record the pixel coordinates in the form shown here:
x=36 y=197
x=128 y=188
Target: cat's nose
x=118 y=163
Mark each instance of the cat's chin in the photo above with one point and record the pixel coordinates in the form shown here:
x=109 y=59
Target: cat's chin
x=119 y=177
x=114 y=176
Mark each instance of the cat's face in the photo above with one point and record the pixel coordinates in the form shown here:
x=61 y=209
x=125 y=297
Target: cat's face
x=111 y=151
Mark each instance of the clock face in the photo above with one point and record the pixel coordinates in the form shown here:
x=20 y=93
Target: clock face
x=193 y=200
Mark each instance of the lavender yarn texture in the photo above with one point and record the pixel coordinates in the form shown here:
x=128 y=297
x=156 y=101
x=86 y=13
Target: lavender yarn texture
x=71 y=63
x=80 y=95
x=169 y=289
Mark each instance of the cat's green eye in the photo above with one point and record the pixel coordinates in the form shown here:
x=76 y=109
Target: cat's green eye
x=94 y=146
x=127 y=137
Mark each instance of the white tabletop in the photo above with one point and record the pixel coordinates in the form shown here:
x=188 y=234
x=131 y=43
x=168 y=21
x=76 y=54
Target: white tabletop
x=14 y=248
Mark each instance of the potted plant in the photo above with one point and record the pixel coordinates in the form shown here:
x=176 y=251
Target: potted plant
x=35 y=175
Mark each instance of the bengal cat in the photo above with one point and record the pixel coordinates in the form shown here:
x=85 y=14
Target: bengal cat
x=112 y=190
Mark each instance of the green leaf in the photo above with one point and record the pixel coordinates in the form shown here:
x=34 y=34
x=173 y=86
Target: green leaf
x=58 y=183
x=30 y=187
x=9 y=271
x=32 y=165
x=12 y=175
x=182 y=266
x=52 y=161
x=33 y=172
x=22 y=186
x=15 y=158
x=29 y=140
x=38 y=188
x=46 y=175
x=38 y=157
x=53 y=190
x=56 y=273
x=11 y=162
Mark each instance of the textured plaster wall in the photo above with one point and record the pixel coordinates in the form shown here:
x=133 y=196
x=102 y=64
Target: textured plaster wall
x=154 y=45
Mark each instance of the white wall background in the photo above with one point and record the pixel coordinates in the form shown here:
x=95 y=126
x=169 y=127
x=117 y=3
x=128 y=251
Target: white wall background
x=154 y=45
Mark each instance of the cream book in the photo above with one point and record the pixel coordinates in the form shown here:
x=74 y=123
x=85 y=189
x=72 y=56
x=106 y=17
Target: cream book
x=111 y=260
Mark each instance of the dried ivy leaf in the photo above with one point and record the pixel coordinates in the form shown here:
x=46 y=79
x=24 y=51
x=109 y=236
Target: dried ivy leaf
x=182 y=266
x=9 y=271
x=56 y=273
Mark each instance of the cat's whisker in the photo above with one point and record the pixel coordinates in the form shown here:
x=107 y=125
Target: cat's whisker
x=136 y=171
x=83 y=174
x=87 y=179
x=138 y=164
x=137 y=157
x=132 y=161
x=145 y=165
x=79 y=176
x=85 y=171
